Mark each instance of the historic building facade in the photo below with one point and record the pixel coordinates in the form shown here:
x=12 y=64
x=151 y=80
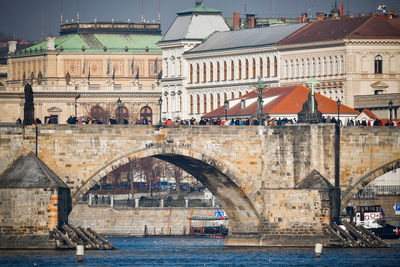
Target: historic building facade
x=85 y=71
x=348 y=57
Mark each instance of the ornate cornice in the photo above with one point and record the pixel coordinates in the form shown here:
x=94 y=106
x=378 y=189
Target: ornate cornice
x=372 y=41
x=83 y=95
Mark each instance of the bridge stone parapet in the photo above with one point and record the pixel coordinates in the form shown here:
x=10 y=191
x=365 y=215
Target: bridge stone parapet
x=254 y=171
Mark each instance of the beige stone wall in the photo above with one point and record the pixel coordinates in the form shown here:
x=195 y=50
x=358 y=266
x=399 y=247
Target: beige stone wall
x=28 y=212
x=297 y=212
x=132 y=221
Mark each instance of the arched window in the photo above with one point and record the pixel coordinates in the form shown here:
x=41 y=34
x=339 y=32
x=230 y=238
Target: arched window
x=225 y=98
x=286 y=69
x=211 y=102
x=341 y=65
x=97 y=113
x=167 y=67
x=291 y=69
x=308 y=68
x=191 y=104
x=319 y=73
x=198 y=104
x=297 y=68
x=180 y=103
x=225 y=71
x=302 y=68
x=232 y=95
x=180 y=68
x=198 y=73
x=218 y=72
x=205 y=104
x=261 y=68
x=191 y=74
x=330 y=72
x=247 y=68
x=240 y=94
x=313 y=73
x=146 y=114
x=378 y=64
x=240 y=70
x=254 y=68
x=336 y=66
x=211 y=72
x=325 y=67
x=275 y=67
x=269 y=67
x=232 y=70
x=218 y=100
x=204 y=73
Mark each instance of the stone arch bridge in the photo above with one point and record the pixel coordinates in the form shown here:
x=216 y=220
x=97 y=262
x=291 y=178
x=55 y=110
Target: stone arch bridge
x=259 y=174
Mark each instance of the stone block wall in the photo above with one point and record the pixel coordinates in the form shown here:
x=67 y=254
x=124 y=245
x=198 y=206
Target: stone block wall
x=294 y=212
x=28 y=212
x=132 y=221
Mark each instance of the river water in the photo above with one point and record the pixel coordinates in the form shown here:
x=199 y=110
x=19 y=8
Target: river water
x=199 y=252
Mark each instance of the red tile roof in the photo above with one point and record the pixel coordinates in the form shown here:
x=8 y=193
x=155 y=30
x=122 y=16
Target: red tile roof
x=287 y=100
x=369 y=113
x=346 y=28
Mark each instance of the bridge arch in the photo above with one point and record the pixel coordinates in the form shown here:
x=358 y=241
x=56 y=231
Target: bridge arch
x=365 y=179
x=219 y=176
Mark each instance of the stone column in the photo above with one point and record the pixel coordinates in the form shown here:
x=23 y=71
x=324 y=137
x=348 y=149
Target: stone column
x=90 y=199
x=161 y=203
x=112 y=201
x=213 y=202
x=186 y=203
x=136 y=203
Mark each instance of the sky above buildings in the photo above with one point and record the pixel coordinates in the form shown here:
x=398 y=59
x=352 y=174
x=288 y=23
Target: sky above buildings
x=23 y=18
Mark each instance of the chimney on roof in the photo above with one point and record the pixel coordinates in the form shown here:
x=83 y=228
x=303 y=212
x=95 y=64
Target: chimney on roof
x=51 y=43
x=236 y=21
x=341 y=10
x=250 y=20
x=12 y=46
x=303 y=18
x=320 y=16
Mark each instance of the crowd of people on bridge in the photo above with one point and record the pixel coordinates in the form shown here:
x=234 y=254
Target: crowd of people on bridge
x=230 y=122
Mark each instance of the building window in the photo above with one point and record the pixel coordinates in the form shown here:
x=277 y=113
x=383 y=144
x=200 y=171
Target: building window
x=240 y=70
x=254 y=69
x=191 y=104
x=330 y=72
x=378 y=92
x=180 y=68
x=261 y=68
x=225 y=71
x=378 y=64
x=240 y=94
x=211 y=102
x=198 y=73
x=286 y=71
x=269 y=67
x=225 y=98
x=204 y=73
x=325 y=67
x=302 y=68
x=232 y=95
x=275 y=67
x=205 y=103
x=146 y=114
x=297 y=68
x=336 y=66
x=218 y=100
x=211 y=72
x=291 y=69
x=247 y=68
x=218 y=72
x=232 y=70
x=308 y=68
x=191 y=74
x=198 y=104
x=341 y=65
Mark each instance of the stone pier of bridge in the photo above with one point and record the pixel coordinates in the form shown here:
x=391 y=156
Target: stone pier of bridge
x=273 y=182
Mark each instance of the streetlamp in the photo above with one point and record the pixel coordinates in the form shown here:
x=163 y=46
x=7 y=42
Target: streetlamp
x=119 y=110
x=160 y=105
x=260 y=103
x=338 y=111
x=390 y=111
x=226 y=104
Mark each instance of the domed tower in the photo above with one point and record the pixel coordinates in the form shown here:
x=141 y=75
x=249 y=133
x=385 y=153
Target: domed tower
x=190 y=28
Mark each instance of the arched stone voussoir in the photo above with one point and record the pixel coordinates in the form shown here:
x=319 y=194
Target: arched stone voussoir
x=365 y=179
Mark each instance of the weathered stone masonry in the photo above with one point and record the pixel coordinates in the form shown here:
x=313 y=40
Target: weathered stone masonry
x=254 y=171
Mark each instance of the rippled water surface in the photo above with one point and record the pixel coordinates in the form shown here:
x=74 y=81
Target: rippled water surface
x=199 y=252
